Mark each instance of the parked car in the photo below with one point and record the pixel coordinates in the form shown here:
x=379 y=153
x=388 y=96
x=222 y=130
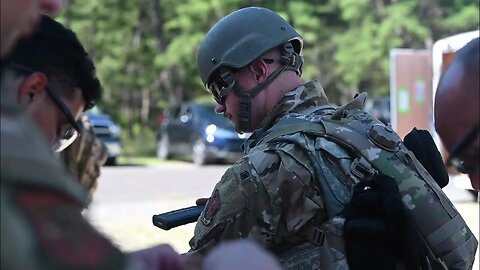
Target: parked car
x=194 y=131
x=108 y=132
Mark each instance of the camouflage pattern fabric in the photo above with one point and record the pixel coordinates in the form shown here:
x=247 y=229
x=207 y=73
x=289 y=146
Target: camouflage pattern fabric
x=41 y=222
x=85 y=156
x=271 y=194
x=297 y=176
x=447 y=237
x=374 y=149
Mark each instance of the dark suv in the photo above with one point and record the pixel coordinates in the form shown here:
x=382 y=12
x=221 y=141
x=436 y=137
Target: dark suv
x=108 y=132
x=194 y=131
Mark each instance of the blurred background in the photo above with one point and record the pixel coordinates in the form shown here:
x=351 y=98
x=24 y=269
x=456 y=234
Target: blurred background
x=145 y=51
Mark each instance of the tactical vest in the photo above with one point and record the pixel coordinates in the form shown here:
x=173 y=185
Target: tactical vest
x=377 y=149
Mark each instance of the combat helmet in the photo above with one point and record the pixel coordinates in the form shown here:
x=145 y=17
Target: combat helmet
x=240 y=38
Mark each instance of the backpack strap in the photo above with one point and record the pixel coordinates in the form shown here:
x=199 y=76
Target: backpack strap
x=292 y=125
x=336 y=194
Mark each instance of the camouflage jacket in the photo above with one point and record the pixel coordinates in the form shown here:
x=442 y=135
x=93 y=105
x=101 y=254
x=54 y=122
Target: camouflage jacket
x=41 y=222
x=85 y=156
x=271 y=194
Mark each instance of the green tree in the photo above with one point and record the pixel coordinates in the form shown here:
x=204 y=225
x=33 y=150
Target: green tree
x=145 y=50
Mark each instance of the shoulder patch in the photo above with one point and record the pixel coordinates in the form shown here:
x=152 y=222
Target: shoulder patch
x=211 y=208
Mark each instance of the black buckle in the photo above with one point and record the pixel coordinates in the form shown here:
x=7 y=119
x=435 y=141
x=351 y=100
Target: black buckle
x=314 y=235
x=362 y=169
x=244 y=111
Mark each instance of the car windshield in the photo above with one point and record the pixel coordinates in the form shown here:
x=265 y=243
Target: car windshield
x=207 y=111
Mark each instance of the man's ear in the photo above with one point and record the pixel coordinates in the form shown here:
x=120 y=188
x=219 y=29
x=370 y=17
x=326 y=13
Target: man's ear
x=32 y=88
x=259 y=71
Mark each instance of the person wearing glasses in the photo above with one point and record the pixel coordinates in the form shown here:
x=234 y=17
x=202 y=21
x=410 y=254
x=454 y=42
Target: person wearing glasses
x=59 y=63
x=42 y=227
x=457 y=113
x=52 y=80
x=55 y=80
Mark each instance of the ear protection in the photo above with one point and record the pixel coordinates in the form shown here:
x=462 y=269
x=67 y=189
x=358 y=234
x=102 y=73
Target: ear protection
x=291 y=59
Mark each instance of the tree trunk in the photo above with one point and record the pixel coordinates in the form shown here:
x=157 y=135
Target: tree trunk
x=145 y=108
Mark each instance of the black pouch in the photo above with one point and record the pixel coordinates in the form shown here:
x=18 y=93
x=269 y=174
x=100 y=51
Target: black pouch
x=420 y=142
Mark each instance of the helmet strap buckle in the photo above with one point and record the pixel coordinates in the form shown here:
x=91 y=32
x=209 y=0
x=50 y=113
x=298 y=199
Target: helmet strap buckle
x=244 y=111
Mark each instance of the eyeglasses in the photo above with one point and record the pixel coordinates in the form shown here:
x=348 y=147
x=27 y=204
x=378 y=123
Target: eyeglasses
x=464 y=144
x=221 y=86
x=70 y=131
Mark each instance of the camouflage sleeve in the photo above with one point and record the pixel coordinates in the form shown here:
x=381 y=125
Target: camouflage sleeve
x=263 y=196
x=84 y=157
x=43 y=229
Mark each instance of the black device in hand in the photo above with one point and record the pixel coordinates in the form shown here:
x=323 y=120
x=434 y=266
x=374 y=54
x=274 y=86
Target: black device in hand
x=176 y=218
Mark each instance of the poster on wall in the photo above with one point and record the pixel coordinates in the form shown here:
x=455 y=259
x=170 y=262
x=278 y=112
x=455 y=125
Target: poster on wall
x=403 y=100
x=420 y=91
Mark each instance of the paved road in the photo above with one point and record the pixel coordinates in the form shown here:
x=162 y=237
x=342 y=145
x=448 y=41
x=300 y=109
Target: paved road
x=127 y=197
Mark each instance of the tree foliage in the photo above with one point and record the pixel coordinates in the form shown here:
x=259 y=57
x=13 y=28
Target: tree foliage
x=145 y=50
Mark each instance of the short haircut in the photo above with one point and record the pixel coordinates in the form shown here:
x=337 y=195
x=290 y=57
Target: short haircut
x=56 y=51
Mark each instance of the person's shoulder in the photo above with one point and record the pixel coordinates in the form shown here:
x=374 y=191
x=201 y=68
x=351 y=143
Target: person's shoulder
x=267 y=161
x=35 y=165
x=281 y=142
x=52 y=222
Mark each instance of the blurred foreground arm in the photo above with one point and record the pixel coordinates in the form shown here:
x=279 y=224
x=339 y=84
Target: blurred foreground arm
x=240 y=255
x=161 y=257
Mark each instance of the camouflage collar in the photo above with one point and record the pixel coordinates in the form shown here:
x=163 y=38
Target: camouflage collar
x=308 y=95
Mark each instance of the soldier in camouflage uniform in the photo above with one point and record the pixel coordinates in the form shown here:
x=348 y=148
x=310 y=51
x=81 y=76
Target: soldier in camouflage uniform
x=304 y=157
x=271 y=194
x=85 y=156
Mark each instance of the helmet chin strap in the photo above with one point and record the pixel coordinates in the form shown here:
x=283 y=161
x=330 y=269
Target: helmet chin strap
x=245 y=99
x=290 y=60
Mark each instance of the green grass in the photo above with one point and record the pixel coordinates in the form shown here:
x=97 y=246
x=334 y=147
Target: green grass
x=142 y=144
x=140 y=150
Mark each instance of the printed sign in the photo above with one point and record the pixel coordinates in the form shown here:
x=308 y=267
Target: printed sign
x=403 y=100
